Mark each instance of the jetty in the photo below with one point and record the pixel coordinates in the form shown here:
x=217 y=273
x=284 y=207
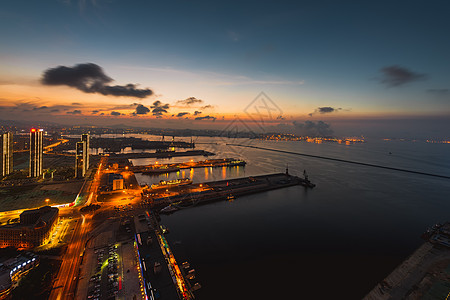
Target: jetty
x=230 y=189
x=153 y=169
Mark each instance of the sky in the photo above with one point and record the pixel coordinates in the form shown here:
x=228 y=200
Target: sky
x=372 y=67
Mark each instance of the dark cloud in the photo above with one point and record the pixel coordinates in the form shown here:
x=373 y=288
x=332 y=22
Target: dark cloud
x=142 y=110
x=189 y=101
x=94 y=112
x=314 y=129
x=158 y=108
x=75 y=112
x=115 y=113
x=396 y=76
x=54 y=110
x=90 y=78
x=181 y=114
x=40 y=107
x=76 y=103
x=207 y=106
x=196 y=113
x=439 y=92
x=206 y=118
x=102 y=114
x=324 y=110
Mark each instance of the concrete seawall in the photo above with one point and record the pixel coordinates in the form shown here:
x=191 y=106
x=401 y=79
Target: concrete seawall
x=414 y=277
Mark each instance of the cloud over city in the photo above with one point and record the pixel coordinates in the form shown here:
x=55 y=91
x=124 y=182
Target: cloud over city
x=159 y=108
x=189 y=101
x=324 y=110
x=90 y=78
x=313 y=129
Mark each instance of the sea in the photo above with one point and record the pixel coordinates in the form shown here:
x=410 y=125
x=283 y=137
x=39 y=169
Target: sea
x=335 y=241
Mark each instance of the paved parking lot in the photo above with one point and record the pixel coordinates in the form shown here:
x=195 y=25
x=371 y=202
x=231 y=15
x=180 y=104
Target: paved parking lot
x=109 y=269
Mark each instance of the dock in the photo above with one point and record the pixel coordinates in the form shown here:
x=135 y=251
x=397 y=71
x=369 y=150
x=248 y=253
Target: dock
x=164 y=154
x=425 y=274
x=189 y=195
x=153 y=169
x=160 y=271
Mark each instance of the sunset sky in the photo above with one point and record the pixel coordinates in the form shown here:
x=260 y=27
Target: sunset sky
x=381 y=65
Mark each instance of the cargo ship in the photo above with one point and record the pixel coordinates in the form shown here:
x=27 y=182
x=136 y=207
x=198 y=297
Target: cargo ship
x=163 y=184
x=160 y=170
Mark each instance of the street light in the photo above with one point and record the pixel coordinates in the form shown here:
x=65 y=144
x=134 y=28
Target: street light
x=47 y=200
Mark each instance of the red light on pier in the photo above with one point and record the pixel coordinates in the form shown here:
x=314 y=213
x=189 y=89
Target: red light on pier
x=33 y=129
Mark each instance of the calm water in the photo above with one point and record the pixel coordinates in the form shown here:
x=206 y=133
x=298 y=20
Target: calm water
x=333 y=242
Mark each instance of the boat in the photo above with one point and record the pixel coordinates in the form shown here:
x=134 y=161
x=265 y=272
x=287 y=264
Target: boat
x=164 y=229
x=235 y=163
x=163 y=184
x=168 y=209
x=230 y=197
x=159 y=170
x=164 y=151
x=226 y=162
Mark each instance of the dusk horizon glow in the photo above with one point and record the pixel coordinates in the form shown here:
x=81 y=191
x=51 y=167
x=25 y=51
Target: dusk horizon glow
x=336 y=63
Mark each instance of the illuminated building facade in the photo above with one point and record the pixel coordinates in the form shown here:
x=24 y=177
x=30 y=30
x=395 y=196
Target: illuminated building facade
x=85 y=139
x=36 y=152
x=6 y=142
x=80 y=166
x=34 y=229
x=117 y=184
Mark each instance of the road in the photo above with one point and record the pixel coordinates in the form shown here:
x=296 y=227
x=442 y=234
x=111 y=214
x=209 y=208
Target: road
x=65 y=284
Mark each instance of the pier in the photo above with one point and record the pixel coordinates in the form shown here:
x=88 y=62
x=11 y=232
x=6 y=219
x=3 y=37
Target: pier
x=160 y=271
x=177 y=197
x=425 y=274
x=175 y=167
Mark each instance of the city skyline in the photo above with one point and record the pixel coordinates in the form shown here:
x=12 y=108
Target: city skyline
x=363 y=69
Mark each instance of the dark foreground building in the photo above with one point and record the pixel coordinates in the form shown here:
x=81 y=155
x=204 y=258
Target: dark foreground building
x=13 y=269
x=34 y=229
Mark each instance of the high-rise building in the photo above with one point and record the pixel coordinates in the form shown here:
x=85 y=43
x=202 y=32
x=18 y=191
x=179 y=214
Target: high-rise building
x=36 y=152
x=80 y=166
x=6 y=142
x=85 y=139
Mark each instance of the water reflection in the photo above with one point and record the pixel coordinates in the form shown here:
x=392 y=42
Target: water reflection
x=201 y=175
x=206 y=173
